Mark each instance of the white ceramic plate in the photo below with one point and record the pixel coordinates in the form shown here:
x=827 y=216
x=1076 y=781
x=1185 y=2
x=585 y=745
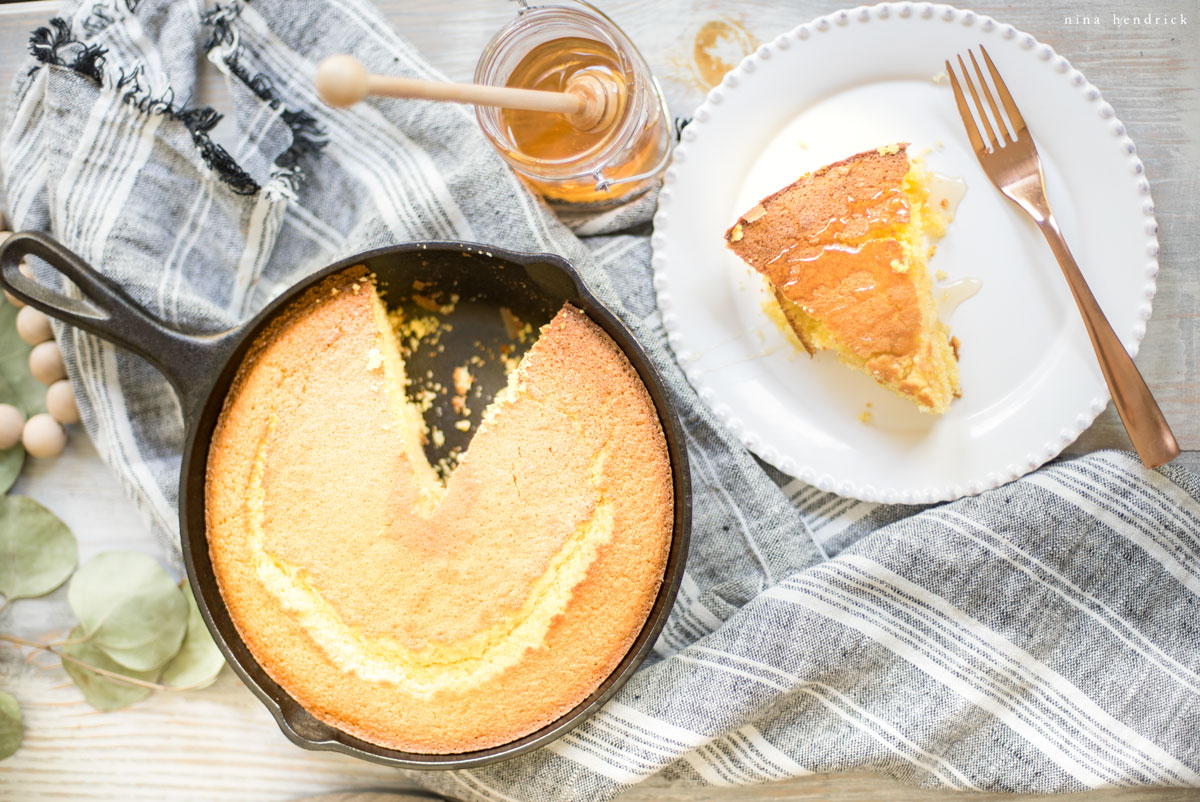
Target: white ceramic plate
x=856 y=80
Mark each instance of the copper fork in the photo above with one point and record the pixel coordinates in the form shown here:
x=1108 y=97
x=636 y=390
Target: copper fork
x=1014 y=167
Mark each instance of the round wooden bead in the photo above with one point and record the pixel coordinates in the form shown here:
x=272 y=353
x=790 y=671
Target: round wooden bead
x=44 y=436
x=46 y=363
x=25 y=271
x=33 y=326
x=60 y=402
x=11 y=424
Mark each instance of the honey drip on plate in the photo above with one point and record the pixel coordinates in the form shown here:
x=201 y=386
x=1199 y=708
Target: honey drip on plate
x=945 y=193
x=953 y=293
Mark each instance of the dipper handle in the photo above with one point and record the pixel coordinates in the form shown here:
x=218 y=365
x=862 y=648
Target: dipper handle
x=342 y=81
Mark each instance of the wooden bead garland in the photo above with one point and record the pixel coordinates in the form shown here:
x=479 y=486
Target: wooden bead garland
x=60 y=402
x=33 y=326
x=11 y=424
x=43 y=435
x=46 y=363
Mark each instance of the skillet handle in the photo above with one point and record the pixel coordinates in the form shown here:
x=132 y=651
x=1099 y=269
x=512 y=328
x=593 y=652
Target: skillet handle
x=190 y=363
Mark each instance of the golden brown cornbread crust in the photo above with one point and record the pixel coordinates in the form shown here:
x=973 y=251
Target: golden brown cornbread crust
x=309 y=426
x=804 y=208
x=839 y=249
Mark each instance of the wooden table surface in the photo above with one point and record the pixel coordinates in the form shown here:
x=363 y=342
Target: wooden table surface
x=220 y=743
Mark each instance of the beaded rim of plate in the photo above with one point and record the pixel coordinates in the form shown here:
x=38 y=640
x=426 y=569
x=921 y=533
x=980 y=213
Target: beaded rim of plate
x=865 y=14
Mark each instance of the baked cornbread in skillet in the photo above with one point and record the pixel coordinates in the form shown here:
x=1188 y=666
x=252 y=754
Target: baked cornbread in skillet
x=845 y=250
x=419 y=616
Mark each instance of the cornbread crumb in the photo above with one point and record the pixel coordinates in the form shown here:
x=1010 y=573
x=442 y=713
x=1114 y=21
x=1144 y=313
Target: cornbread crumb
x=888 y=150
x=413 y=327
x=514 y=327
x=431 y=305
x=462 y=379
x=462 y=425
x=424 y=399
x=941 y=275
x=437 y=436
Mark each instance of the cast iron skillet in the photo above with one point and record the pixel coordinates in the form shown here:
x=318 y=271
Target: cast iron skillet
x=201 y=367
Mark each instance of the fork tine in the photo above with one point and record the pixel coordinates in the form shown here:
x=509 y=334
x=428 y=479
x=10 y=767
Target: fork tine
x=1014 y=115
x=987 y=126
x=1001 y=128
x=964 y=111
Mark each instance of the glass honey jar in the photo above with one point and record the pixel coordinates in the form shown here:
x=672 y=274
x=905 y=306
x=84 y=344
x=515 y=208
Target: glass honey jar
x=559 y=48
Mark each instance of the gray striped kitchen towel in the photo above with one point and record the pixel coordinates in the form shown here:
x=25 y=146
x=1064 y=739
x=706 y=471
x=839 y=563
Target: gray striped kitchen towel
x=1044 y=636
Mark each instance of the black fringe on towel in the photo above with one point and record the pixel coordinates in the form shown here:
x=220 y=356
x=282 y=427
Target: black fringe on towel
x=55 y=45
x=198 y=120
x=308 y=138
x=220 y=21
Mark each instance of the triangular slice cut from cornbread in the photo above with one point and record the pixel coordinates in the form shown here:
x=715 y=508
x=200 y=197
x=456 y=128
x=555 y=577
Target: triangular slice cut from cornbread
x=845 y=249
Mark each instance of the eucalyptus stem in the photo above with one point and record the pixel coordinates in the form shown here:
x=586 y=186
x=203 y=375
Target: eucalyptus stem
x=69 y=641
x=4 y=604
x=113 y=675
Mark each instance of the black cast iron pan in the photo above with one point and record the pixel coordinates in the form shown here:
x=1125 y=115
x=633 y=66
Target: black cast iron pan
x=201 y=367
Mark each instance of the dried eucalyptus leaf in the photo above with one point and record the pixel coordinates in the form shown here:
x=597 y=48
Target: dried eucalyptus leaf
x=37 y=551
x=101 y=692
x=199 y=660
x=130 y=608
x=11 y=460
x=26 y=392
x=11 y=728
x=7 y=394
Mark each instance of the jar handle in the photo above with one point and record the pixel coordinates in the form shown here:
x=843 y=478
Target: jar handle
x=603 y=184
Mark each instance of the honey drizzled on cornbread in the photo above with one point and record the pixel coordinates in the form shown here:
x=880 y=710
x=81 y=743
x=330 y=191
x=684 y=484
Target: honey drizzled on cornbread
x=845 y=249
x=421 y=615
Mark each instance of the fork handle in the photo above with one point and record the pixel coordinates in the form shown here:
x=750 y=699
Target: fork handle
x=1144 y=421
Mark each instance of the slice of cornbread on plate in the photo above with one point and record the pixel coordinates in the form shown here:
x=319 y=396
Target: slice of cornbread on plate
x=845 y=250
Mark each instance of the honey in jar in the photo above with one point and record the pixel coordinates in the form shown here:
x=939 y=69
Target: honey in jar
x=576 y=49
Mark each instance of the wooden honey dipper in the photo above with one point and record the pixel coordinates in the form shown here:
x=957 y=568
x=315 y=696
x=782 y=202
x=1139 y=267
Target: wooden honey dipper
x=589 y=104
